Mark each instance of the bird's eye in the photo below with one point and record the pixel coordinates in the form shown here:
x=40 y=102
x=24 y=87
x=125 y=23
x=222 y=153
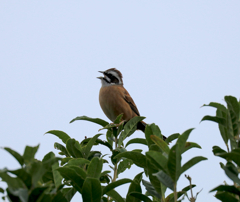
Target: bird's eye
x=113 y=78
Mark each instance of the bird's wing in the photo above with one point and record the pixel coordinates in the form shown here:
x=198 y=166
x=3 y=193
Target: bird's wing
x=130 y=101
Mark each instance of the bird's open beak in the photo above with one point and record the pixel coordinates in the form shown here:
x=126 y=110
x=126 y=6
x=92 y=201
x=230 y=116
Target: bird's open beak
x=100 y=77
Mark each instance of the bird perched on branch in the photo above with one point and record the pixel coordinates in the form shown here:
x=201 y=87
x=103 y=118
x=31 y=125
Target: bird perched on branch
x=114 y=99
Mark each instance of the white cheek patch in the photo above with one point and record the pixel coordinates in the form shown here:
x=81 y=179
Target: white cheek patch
x=107 y=78
x=114 y=74
x=104 y=83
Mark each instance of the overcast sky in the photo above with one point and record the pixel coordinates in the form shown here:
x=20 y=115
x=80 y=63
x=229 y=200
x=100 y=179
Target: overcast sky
x=175 y=56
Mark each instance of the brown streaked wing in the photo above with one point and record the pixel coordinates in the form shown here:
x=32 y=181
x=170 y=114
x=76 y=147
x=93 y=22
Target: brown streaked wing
x=130 y=101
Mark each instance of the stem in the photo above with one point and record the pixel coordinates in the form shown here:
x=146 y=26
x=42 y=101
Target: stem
x=115 y=173
x=227 y=147
x=163 y=192
x=191 y=187
x=116 y=165
x=175 y=192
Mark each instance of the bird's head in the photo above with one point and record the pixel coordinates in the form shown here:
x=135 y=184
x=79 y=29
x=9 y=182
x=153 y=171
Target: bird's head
x=111 y=77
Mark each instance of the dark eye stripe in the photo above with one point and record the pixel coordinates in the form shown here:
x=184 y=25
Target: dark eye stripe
x=112 y=78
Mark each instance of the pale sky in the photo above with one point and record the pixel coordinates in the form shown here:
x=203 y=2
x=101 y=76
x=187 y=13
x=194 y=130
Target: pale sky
x=175 y=56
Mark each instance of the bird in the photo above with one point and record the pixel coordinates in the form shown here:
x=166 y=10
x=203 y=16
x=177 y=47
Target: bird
x=114 y=99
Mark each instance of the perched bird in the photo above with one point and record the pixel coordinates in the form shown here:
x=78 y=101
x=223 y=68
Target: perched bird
x=114 y=99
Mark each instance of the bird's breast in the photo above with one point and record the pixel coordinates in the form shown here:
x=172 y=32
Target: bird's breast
x=111 y=99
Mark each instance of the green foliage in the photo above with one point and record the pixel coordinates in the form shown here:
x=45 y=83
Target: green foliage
x=228 y=120
x=35 y=180
x=80 y=168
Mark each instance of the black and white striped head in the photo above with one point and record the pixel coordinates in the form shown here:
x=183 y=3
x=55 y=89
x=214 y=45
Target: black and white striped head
x=111 y=77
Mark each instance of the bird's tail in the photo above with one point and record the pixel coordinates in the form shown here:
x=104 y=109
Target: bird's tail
x=142 y=125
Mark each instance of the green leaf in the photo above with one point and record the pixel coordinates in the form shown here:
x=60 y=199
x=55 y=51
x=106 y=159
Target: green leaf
x=46 y=197
x=190 y=145
x=227 y=188
x=1 y=190
x=172 y=164
x=156 y=130
x=94 y=120
x=97 y=142
x=134 y=187
x=15 y=154
x=233 y=120
x=187 y=188
x=170 y=197
x=216 y=119
x=129 y=128
x=120 y=129
x=86 y=150
x=47 y=177
x=29 y=153
x=48 y=156
x=91 y=191
x=95 y=168
x=72 y=148
x=56 y=175
x=114 y=160
x=148 y=133
x=105 y=177
x=217 y=150
x=36 y=170
x=172 y=137
x=21 y=193
x=60 y=134
x=75 y=174
x=49 y=159
x=65 y=160
x=137 y=158
x=69 y=193
x=224 y=196
x=159 y=160
x=105 y=172
x=115 y=184
x=110 y=137
x=93 y=154
x=150 y=170
x=216 y=105
x=174 y=158
x=109 y=126
x=160 y=143
x=118 y=119
x=149 y=187
x=59 y=197
x=233 y=108
x=140 y=196
x=136 y=141
x=191 y=163
x=12 y=197
x=231 y=171
x=61 y=148
x=37 y=193
x=233 y=155
x=115 y=196
x=183 y=139
x=12 y=182
x=165 y=179
x=78 y=162
x=223 y=129
x=123 y=165
x=24 y=176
